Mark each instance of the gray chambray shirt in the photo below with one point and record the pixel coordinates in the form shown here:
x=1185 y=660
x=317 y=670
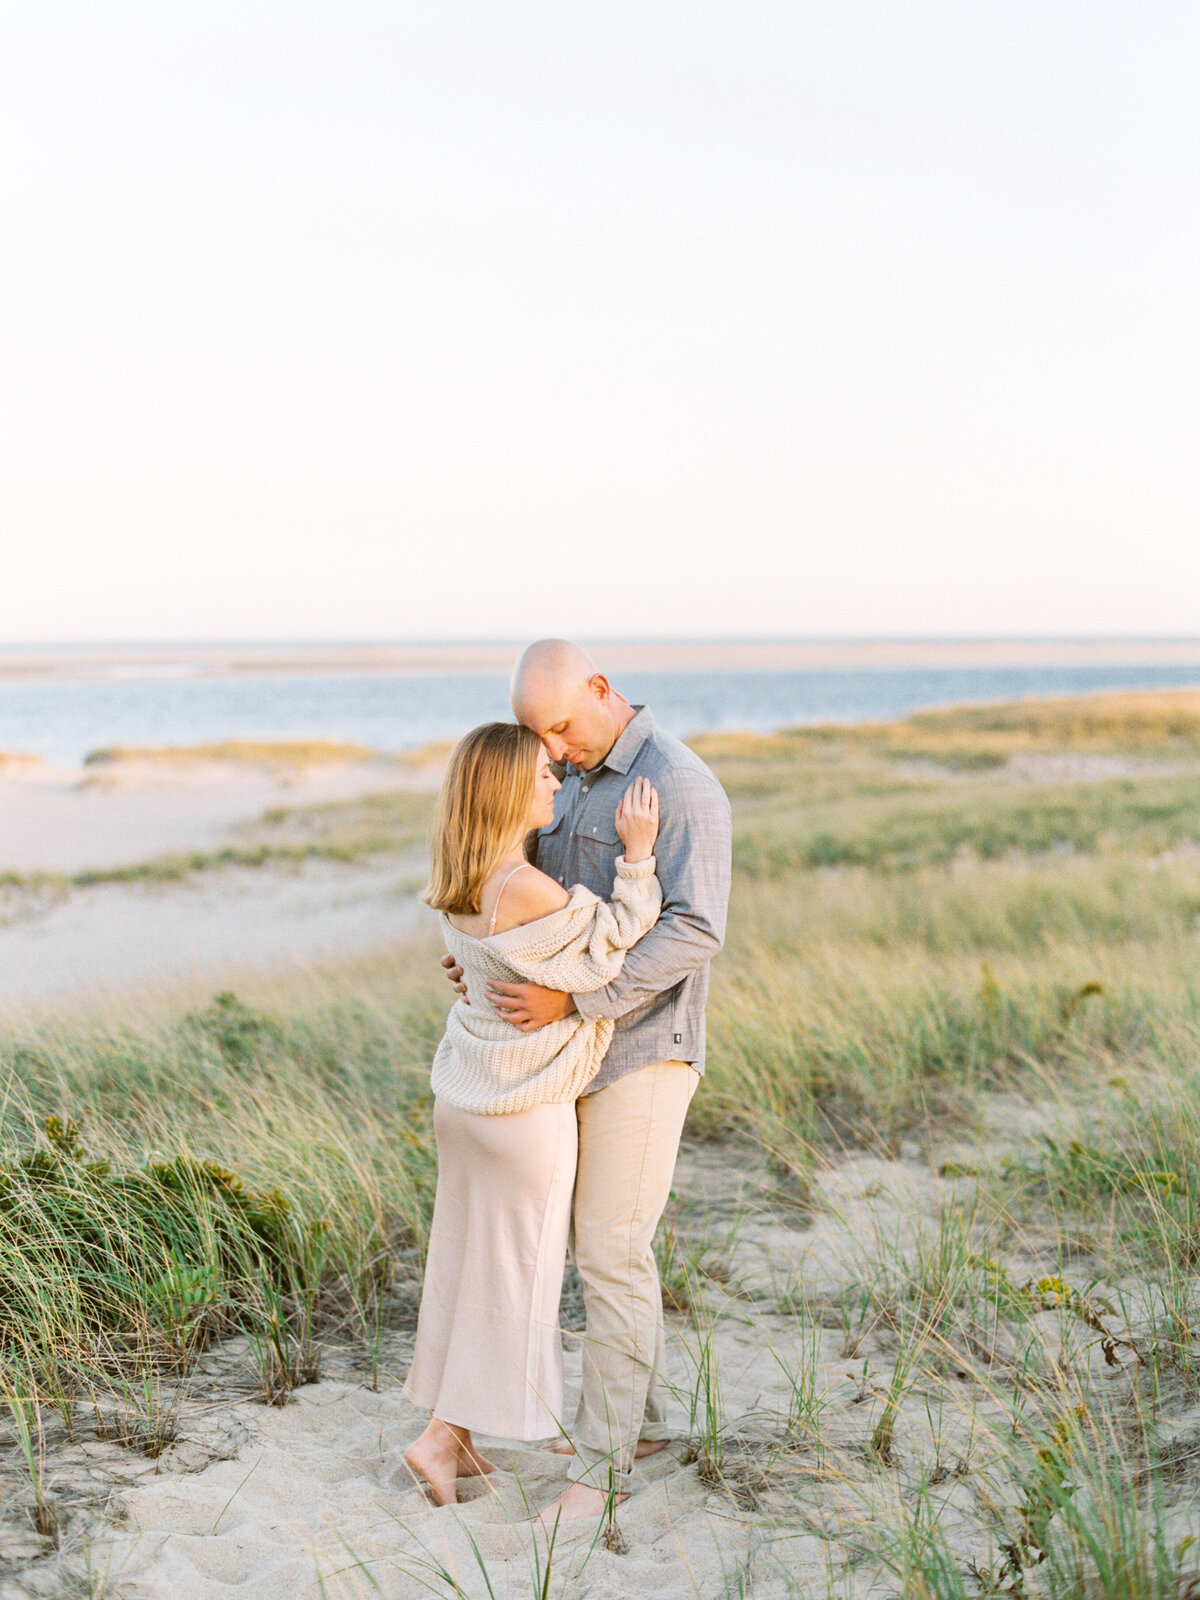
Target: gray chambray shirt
x=658 y=997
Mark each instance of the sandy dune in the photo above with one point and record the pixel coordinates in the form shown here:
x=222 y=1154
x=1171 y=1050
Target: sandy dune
x=316 y=1499
x=321 y=1492
x=86 y=944
x=58 y=820
x=115 y=939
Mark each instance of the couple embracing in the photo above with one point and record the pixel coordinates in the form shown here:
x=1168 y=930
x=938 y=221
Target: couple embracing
x=580 y=918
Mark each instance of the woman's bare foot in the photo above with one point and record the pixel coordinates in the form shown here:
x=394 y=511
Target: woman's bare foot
x=472 y=1465
x=443 y=1454
x=643 y=1448
x=436 y=1465
x=577 y=1501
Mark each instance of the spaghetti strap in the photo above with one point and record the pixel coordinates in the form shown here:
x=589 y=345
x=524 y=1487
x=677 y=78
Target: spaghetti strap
x=503 y=886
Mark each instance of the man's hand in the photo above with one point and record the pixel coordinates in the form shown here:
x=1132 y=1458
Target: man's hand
x=527 y=1005
x=455 y=973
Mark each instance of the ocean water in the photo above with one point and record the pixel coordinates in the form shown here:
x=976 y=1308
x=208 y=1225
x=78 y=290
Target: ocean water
x=61 y=720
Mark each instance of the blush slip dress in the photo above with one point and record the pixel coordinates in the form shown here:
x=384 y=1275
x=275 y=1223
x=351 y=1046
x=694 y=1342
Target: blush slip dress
x=488 y=1351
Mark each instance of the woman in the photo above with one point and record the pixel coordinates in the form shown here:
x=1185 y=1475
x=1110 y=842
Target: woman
x=488 y=1353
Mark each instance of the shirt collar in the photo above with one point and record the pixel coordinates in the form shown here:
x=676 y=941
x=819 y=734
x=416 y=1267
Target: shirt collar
x=633 y=736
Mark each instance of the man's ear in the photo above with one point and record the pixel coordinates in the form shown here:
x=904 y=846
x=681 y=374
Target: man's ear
x=598 y=684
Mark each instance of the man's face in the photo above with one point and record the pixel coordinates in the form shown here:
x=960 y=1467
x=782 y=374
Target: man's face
x=577 y=726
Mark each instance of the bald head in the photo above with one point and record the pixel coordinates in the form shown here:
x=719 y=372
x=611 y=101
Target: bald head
x=558 y=692
x=549 y=665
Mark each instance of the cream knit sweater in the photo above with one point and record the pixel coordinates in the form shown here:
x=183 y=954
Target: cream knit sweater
x=488 y=1065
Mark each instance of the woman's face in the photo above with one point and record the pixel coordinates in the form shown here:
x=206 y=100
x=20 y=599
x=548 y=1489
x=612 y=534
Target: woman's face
x=545 y=787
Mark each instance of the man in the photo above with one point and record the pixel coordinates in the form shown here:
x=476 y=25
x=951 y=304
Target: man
x=631 y=1117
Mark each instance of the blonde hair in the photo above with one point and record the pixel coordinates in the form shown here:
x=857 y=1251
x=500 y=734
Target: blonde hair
x=486 y=796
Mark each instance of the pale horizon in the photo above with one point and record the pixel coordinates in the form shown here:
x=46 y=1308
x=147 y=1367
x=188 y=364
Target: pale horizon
x=149 y=659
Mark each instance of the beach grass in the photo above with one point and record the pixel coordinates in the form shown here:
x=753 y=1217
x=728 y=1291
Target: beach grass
x=244 y=752
x=230 y=1168
x=269 y=753
x=965 y=945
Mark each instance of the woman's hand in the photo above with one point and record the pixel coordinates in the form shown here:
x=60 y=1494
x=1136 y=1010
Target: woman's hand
x=455 y=973
x=637 y=819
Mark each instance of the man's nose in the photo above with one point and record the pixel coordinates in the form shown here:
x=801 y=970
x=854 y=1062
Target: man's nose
x=556 y=746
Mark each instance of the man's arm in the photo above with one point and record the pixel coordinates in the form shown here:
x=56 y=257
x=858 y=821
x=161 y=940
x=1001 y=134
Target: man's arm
x=693 y=852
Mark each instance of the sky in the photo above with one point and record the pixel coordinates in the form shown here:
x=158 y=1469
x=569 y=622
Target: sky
x=455 y=320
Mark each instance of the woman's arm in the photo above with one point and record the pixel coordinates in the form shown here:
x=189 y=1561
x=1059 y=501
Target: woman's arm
x=585 y=952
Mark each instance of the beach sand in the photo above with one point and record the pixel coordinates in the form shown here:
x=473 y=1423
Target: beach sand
x=111 y=941
x=63 y=820
x=63 y=943
x=316 y=1498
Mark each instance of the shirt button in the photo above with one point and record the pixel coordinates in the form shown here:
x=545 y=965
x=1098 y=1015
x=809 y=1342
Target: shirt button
x=594 y=830
x=584 y=789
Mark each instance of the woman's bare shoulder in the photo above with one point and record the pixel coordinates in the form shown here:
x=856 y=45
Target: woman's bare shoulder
x=530 y=894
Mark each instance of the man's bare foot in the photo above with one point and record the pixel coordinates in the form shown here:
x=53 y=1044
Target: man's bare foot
x=577 y=1501
x=648 y=1447
x=643 y=1448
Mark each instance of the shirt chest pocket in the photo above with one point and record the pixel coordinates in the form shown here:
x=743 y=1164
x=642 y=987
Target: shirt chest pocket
x=597 y=845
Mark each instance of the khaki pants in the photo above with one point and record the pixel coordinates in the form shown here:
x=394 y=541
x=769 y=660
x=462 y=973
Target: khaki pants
x=628 y=1140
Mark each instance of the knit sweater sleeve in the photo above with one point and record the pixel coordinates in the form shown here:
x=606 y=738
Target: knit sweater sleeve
x=621 y=922
x=606 y=930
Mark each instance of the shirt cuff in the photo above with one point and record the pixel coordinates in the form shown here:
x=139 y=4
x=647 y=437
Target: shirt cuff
x=635 y=869
x=589 y=1006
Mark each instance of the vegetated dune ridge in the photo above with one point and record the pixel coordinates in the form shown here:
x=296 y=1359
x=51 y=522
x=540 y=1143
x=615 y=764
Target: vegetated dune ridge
x=931 y=1260
x=128 y=806
x=191 y=866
